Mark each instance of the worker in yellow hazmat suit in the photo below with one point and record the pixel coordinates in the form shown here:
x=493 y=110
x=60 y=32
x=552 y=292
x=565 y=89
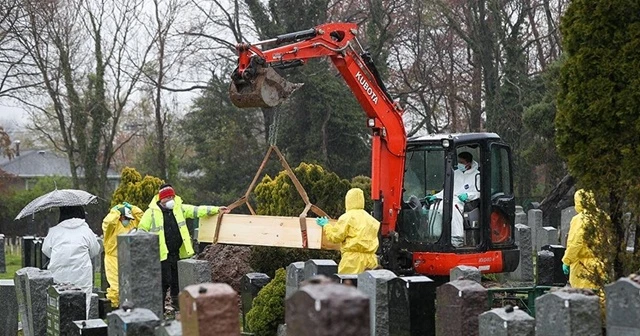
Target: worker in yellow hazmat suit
x=579 y=261
x=357 y=232
x=122 y=218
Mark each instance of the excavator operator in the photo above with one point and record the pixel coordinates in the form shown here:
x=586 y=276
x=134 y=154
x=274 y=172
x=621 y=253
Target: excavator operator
x=464 y=190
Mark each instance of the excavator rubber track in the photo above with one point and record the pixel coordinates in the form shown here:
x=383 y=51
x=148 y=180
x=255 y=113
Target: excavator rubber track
x=266 y=89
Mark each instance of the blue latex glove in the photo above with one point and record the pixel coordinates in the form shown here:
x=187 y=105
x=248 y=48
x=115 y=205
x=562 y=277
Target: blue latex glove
x=463 y=197
x=117 y=207
x=431 y=198
x=565 y=269
x=127 y=205
x=322 y=221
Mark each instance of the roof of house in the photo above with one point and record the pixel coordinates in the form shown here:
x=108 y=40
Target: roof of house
x=38 y=163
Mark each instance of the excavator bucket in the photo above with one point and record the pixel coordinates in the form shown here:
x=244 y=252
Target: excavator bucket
x=266 y=89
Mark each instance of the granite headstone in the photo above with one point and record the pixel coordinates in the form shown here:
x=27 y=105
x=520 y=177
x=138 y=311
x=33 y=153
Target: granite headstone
x=506 y=322
x=411 y=306
x=139 y=274
x=623 y=306
x=8 y=308
x=295 y=275
x=459 y=303
x=209 y=310
x=568 y=312
x=374 y=285
x=132 y=322
x=327 y=309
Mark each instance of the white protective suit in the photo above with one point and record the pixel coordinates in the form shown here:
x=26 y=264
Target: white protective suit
x=70 y=245
x=463 y=182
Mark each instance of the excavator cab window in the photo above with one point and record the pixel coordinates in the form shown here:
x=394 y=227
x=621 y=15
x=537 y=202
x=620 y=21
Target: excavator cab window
x=424 y=176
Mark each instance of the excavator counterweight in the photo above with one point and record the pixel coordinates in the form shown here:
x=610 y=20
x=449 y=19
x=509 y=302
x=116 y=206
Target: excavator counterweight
x=262 y=88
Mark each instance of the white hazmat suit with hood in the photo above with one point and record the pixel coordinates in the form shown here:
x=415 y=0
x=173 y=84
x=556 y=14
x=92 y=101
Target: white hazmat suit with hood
x=70 y=245
x=463 y=182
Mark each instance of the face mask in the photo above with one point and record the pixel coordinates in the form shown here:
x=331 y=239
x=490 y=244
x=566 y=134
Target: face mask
x=170 y=204
x=125 y=222
x=462 y=167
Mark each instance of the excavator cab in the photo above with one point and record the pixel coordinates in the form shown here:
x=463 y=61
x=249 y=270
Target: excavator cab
x=437 y=218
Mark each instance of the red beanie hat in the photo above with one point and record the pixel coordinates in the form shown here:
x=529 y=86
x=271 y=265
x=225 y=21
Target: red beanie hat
x=166 y=192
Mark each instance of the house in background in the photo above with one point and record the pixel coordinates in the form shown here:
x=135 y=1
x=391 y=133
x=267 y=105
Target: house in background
x=29 y=165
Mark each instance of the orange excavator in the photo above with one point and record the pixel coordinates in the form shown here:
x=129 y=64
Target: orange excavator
x=425 y=228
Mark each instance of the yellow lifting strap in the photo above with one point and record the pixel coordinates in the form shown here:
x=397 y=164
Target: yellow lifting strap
x=245 y=199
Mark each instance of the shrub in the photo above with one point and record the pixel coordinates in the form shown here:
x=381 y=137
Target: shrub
x=267 y=311
x=135 y=189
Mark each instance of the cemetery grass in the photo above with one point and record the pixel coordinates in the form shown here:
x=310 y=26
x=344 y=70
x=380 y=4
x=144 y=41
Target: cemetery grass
x=14 y=263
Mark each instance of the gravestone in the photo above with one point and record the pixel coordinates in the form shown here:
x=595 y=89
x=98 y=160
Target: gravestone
x=521 y=216
x=3 y=262
x=295 y=275
x=547 y=236
x=65 y=303
x=96 y=262
x=544 y=268
x=459 y=303
x=104 y=307
x=92 y=327
x=20 y=282
x=250 y=285
x=313 y=267
x=411 y=306
x=193 y=272
x=327 y=310
x=8 y=309
x=94 y=312
x=209 y=309
x=37 y=284
x=132 y=322
x=346 y=279
x=139 y=274
x=506 y=322
x=524 y=271
x=465 y=273
x=568 y=312
x=623 y=306
x=559 y=278
x=169 y=328
x=374 y=285
x=534 y=220
x=566 y=216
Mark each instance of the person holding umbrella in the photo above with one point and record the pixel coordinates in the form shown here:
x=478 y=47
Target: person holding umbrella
x=71 y=245
x=120 y=220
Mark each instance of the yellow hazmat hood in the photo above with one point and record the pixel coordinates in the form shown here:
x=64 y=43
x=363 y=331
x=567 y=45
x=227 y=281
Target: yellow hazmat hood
x=354 y=200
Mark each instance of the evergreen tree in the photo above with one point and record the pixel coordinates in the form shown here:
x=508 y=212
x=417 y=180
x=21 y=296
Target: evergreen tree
x=598 y=118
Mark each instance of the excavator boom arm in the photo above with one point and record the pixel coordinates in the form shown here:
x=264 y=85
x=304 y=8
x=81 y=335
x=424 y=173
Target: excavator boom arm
x=255 y=74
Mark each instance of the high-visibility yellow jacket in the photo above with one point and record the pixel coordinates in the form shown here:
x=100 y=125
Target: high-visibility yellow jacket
x=152 y=221
x=357 y=232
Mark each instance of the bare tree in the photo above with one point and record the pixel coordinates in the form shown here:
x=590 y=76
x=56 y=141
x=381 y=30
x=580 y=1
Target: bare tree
x=81 y=62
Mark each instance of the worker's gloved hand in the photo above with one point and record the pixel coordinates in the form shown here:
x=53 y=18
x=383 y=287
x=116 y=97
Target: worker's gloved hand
x=463 y=197
x=565 y=269
x=127 y=205
x=431 y=198
x=322 y=221
x=117 y=207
